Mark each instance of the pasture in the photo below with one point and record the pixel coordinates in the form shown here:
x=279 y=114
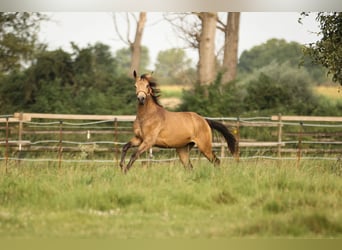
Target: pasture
x=332 y=92
x=246 y=199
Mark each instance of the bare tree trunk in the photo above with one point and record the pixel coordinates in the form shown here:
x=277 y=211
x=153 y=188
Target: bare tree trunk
x=230 y=58
x=135 y=47
x=207 y=63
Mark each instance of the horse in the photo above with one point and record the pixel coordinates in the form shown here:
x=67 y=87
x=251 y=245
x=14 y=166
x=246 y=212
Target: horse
x=156 y=126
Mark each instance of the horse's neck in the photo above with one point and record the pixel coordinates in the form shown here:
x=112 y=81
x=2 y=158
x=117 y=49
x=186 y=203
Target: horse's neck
x=148 y=109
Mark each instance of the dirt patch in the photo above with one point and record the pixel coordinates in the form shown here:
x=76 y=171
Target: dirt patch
x=170 y=102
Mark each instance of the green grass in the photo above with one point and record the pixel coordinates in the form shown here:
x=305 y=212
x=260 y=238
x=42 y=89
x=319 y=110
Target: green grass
x=247 y=199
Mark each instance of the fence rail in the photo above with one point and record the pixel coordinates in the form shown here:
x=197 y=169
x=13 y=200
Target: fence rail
x=275 y=136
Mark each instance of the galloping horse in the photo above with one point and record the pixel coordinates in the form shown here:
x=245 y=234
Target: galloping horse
x=155 y=126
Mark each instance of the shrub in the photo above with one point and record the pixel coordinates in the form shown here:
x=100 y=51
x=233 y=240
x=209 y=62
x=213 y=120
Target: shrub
x=215 y=99
x=281 y=89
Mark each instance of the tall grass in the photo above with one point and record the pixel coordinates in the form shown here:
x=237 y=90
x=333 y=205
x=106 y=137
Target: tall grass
x=247 y=199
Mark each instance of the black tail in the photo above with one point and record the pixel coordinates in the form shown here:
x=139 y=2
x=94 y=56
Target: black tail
x=230 y=139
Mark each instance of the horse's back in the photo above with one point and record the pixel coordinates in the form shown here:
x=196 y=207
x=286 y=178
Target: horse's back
x=181 y=128
x=185 y=119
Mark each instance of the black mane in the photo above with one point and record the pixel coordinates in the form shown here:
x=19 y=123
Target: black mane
x=154 y=87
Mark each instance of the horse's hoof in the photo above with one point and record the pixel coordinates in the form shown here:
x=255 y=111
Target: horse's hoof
x=124 y=169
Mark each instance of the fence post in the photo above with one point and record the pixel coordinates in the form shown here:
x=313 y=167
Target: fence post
x=150 y=156
x=222 y=148
x=280 y=132
x=6 y=149
x=299 y=151
x=116 y=149
x=20 y=136
x=20 y=132
x=60 y=148
x=222 y=140
x=238 y=139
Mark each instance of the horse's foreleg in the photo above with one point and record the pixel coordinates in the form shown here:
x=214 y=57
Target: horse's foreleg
x=142 y=148
x=134 y=142
x=125 y=148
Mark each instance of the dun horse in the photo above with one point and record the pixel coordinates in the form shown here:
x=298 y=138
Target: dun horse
x=155 y=126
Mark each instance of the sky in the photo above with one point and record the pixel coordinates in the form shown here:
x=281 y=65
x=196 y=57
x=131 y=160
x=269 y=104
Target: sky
x=86 y=28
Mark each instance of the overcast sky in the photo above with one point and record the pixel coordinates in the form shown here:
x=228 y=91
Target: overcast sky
x=85 y=28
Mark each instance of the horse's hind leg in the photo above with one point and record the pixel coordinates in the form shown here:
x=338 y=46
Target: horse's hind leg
x=184 y=156
x=206 y=150
x=212 y=158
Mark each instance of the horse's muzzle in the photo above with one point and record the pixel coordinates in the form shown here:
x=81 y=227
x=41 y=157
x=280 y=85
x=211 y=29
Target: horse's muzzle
x=141 y=98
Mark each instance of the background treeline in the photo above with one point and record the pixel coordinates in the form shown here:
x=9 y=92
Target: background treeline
x=85 y=81
x=272 y=77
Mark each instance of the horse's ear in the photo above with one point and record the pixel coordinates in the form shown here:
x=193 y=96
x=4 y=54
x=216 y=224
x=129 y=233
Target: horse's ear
x=135 y=74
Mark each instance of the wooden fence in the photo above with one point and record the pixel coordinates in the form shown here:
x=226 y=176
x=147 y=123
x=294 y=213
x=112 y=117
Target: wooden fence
x=277 y=136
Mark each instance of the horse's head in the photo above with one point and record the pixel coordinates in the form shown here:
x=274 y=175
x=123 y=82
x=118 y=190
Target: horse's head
x=142 y=87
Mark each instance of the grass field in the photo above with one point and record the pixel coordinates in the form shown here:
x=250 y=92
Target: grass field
x=333 y=92
x=253 y=199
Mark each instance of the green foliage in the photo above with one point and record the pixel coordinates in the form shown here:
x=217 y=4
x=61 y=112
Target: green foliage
x=173 y=67
x=213 y=100
x=85 y=81
x=279 y=51
x=123 y=57
x=18 y=38
x=51 y=97
x=276 y=88
x=280 y=89
x=12 y=92
x=328 y=50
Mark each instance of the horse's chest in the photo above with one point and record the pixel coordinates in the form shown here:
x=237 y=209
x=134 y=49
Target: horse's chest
x=146 y=128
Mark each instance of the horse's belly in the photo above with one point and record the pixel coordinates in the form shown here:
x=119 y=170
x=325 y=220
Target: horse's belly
x=173 y=140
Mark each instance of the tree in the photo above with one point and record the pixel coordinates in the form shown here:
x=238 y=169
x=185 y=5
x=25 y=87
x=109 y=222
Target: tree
x=280 y=88
x=273 y=50
x=188 y=27
x=18 y=38
x=49 y=67
x=231 y=40
x=328 y=50
x=123 y=58
x=206 y=48
x=12 y=92
x=198 y=29
x=278 y=51
x=215 y=100
x=84 y=81
x=173 y=67
x=135 y=45
x=94 y=66
x=200 y=34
